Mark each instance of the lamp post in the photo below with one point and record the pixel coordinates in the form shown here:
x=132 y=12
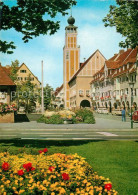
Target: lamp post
x=131 y=84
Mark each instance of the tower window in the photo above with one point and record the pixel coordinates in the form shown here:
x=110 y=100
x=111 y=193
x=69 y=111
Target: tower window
x=67 y=55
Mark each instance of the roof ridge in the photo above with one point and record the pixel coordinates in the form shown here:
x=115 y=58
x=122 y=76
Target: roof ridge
x=128 y=55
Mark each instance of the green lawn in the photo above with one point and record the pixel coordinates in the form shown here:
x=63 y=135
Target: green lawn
x=117 y=160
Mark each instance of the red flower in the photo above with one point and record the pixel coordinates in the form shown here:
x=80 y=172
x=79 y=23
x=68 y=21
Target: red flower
x=5 y=166
x=108 y=186
x=45 y=150
x=51 y=168
x=40 y=151
x=28 y=167
x=20 y=172
x=65 y=176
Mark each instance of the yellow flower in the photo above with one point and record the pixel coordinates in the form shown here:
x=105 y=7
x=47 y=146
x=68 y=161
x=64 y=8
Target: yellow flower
x=21 y=191
x=62 y=191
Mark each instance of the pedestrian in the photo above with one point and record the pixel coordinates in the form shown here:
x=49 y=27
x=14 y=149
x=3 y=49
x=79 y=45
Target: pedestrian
x=123 y=115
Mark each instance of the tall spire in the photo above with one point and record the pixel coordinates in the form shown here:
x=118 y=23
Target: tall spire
x=71 y=20
x=71 y=10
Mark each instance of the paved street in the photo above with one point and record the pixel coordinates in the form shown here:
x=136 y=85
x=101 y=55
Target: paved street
x=106 y=127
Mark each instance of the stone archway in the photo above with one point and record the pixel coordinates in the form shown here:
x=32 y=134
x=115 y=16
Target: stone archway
x=106 y=104
x=115 y=105
x=135 y=105
x=123 y=104
x=85 y=103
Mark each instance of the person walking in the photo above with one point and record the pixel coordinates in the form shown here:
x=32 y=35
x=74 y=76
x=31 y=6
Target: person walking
x=123 y=115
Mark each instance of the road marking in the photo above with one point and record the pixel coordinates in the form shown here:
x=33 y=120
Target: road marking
x=62 y=138
x=84 y=129
x=8 y=135
x=52 y=135
x=107 y=134
x=58 y=133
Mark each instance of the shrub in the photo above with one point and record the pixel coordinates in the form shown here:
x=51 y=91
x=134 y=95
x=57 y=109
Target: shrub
x=41 y=119
x=54 y=174
x=54 y=119
x=85 y=115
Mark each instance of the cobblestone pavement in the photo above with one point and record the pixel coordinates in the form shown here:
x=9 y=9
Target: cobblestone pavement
x=106 y=127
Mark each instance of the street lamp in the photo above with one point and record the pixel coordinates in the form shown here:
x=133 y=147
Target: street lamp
x=131 y=84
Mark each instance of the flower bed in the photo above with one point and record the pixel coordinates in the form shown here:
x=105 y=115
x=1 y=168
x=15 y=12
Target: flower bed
x=7 y=113
x=55 y=174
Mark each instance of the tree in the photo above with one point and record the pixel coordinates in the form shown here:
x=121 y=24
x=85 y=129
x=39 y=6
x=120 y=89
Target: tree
x=26 y=94
x=14 y=69
x=124 y=17
x=32 y=18
x=48 y=97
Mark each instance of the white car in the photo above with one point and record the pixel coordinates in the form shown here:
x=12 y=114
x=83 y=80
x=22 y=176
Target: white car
x=102 y=111
x=117 y=112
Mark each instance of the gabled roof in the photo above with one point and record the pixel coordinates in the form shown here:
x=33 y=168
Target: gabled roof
x=4 y=78
x=83 y=65
x=23 y=64
x=119 y=60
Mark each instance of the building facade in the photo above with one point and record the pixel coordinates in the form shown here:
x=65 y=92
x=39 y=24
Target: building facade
x=79 y=84
x=110 y=87
x=23 y=74
x=76 y=75
x=6 y=86
x=59 y=97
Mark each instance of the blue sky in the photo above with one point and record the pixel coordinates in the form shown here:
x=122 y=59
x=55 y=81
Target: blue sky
x=92 y=35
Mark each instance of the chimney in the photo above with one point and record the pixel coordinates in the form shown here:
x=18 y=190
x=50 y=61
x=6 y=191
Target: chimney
x=121 y=51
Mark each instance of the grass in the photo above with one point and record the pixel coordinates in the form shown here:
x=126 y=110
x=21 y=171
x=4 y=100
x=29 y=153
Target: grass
x=117 y=160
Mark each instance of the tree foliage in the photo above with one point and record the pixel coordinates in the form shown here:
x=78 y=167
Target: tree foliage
x=26 y=94
x=124 y=17
x=14 y=69
x=32 y=18
x=48 y=96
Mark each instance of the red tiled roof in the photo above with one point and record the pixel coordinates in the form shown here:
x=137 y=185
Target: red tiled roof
x=111 y=64
x=99 y=72
x=58 y=89
x=4 y=78
x=118 y=60
x=125 y=57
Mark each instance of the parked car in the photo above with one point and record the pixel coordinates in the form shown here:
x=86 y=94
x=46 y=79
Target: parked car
x=117 y=112
x=102 y=111
x=135 y=116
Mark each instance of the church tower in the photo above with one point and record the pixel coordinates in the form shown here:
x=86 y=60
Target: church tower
x=71 y=57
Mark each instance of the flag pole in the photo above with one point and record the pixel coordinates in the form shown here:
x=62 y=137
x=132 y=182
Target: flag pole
x=42 y=99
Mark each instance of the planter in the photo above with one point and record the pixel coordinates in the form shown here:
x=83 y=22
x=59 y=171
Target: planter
x=7 y=117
